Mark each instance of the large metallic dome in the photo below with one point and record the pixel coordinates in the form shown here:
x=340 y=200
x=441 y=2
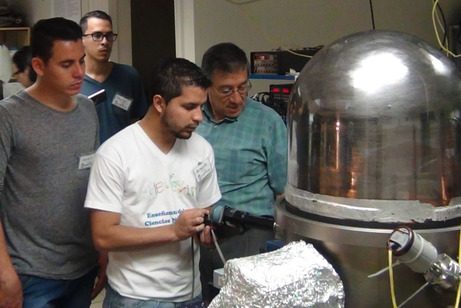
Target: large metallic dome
x=374 y=131
x=374 y=143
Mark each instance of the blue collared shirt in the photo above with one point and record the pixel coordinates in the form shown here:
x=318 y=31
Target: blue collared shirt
x=250 y=155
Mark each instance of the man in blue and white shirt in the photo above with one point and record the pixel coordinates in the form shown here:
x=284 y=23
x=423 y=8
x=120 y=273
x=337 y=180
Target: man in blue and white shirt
x=250 y=144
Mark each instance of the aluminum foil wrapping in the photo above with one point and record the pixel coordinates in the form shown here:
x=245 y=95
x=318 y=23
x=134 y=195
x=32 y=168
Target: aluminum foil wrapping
x=296 y=275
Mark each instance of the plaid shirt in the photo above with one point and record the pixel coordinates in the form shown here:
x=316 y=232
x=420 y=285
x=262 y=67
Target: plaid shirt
x=251 y=156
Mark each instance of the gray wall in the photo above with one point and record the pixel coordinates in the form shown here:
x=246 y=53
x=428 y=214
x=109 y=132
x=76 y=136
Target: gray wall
x=264 y=25
x=268 y=24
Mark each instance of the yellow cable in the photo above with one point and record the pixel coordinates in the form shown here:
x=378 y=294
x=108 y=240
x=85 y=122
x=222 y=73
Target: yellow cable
x=458 y=293
x=268 y=38
x=391 y=279
x=437 y=33
x=442 y=27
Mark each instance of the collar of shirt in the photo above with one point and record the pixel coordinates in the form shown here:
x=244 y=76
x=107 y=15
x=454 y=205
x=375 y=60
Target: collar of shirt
x=209 y=115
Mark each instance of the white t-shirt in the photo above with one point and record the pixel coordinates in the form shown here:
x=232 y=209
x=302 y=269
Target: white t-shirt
x=149 y=188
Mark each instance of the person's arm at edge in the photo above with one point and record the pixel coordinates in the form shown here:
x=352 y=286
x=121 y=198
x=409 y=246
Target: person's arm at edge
x=10 y=285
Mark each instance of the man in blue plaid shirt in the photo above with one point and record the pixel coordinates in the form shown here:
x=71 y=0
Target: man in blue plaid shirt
x=250 y=145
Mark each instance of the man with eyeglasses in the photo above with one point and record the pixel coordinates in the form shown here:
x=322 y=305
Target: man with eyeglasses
x=250 y=145
x=22 y=70
x=124 y=99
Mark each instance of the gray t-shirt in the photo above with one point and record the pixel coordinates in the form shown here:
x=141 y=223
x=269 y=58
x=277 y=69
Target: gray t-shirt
x=43 y=186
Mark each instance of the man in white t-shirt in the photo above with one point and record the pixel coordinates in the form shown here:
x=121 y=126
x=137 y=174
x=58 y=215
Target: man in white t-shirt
x=149 y=188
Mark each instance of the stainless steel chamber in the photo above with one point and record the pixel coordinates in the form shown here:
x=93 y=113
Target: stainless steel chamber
x=374 y=143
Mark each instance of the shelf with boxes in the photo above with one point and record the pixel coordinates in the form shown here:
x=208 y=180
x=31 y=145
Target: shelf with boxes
x=14 y=37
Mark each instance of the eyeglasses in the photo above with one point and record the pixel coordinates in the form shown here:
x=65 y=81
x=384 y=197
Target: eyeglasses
x=228 y=91
x=99 y=36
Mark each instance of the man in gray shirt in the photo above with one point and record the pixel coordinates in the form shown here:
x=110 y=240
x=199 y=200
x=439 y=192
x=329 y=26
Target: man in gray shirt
x=48 y=134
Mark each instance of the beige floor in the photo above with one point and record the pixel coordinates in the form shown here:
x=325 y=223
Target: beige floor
x=97 y=302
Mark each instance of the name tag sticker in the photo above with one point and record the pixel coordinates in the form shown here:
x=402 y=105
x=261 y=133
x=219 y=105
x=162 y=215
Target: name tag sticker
x=122 y=102
x=85 y=161
x=202 y=170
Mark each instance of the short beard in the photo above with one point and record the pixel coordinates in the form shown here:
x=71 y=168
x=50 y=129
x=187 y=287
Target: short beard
x=173 y=132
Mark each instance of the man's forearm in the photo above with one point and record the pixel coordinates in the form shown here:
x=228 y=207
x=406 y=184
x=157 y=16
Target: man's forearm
x=10 y=286
x=5 y=260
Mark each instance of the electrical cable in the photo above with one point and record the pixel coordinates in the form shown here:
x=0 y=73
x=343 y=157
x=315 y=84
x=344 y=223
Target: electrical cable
x=413 y=295
x=213 y=235
x=391 y=279
x=381 y=271
x=437 y=33
x=372 y=14
x=443 y=25
x=193 y=266
x=268 y=38
x=419 y=256
x=458 y=292
x=296 y=53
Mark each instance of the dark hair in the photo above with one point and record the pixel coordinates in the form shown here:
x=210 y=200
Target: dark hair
x=22 y=59
x=174 y=73
x=46 y=31
x=95 y=14
x=226 y=57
